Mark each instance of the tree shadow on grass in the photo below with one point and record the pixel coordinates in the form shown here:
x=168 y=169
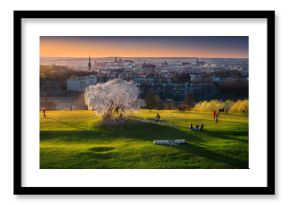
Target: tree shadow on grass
x=132 y=129
x=101 y=149
x=203 y=152
x=229 y=135
x=67 y=124
x=96 y=155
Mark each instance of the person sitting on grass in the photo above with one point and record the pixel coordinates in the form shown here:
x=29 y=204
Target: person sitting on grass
x=197 y=128
x=157 y=118
x=201 y=127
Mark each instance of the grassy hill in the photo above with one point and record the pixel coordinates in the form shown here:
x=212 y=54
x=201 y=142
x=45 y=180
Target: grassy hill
x=77 y=140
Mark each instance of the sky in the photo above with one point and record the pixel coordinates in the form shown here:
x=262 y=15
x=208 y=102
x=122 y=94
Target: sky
x=144 y=46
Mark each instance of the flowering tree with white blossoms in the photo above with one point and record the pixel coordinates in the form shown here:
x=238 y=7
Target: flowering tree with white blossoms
x=113 y=95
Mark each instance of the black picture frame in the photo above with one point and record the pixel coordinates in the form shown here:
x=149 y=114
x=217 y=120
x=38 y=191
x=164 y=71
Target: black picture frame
x=269 y=189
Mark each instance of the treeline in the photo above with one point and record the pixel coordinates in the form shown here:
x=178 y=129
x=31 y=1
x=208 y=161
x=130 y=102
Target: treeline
x=53 y=79
x=56 y=72
x=153 y=101
x=239 y=106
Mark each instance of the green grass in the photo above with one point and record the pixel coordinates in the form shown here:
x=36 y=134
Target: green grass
x=78 y=140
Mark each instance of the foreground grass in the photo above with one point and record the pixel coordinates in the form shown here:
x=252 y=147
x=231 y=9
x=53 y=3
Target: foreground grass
x=77 y=140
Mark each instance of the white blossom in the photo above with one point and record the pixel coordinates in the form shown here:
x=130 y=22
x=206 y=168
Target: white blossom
x=113 y=95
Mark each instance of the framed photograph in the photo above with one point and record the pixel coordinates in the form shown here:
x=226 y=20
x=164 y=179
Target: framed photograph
x=144 y=102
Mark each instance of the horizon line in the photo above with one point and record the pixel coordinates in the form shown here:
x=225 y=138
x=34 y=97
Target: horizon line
x=138 y=57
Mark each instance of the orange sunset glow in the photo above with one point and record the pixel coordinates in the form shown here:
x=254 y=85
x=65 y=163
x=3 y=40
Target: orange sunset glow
x=210 y=47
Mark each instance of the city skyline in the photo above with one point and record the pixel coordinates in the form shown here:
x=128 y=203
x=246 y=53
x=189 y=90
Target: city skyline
x=144 y=46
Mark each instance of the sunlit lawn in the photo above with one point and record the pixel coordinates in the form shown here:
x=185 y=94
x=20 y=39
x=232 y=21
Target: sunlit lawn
x=77 y=140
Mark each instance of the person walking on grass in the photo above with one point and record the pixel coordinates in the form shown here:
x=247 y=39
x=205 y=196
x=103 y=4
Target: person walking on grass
x=214 y=115
x=217 y=117
x=44 y=112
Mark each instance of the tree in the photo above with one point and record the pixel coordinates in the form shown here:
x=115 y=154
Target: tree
x=104 y=98
x=188 y=101
x=169 y=104
x=227 y=105
x=152 y=100
x=79 y=103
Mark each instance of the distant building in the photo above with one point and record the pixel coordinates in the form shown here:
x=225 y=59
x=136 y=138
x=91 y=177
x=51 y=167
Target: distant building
x=193 y=77
x=152 y=66
x=144 y=80
x=80 y=83
x=185 y=63
x=129 y=61
x=216 y=78
x=90 y=64
x=199 y=62
x=164 y=64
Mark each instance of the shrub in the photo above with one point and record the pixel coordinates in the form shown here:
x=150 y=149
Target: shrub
x=208 y=106
x=240 y=106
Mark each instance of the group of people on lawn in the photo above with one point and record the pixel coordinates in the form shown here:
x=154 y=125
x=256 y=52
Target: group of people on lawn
x=197 y=127
x=200 y=128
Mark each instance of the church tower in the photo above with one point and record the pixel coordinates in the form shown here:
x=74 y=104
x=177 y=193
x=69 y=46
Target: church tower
x=90 y=64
